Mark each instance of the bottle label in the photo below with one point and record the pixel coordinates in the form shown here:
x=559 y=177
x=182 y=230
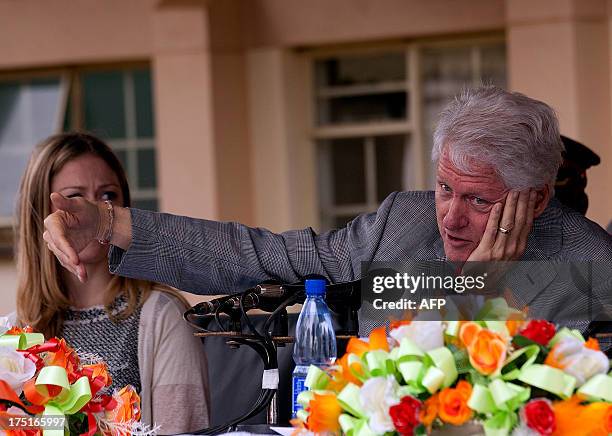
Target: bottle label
x=298 y=387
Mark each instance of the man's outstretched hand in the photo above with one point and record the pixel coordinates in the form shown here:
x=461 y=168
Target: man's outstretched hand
x=75 y=223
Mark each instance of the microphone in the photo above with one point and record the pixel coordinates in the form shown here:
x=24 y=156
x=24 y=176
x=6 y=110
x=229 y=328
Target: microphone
x=211 y=307
x=263 y=296
x=267 y=297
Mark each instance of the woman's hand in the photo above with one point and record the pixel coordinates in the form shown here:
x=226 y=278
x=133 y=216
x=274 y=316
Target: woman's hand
x=69 y=229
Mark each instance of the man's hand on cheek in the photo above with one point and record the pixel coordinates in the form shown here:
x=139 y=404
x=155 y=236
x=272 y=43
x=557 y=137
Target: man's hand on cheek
x=508 y=226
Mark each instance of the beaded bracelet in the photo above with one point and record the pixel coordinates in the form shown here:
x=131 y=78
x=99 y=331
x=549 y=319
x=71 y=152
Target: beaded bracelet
x=111 y=219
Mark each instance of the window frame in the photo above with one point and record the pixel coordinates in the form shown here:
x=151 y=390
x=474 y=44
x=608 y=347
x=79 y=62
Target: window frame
x=72 y=91
x=412 y=127
x=131 y=144
x=8 y=222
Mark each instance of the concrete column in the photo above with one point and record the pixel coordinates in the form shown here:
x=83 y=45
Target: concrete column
x=283 y=167
x=559 y=52
x=183 y=109
x=232 y=141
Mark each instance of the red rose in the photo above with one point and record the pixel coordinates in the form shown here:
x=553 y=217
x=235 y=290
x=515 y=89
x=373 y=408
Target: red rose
x=539 y=416
x=539 y=331
x=405 y=415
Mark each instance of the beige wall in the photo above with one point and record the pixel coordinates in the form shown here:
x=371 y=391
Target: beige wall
x=8 y=286
x=232 y=92
x=38 y=33
x=290 y=23
x=183 y=111
x=559 y=52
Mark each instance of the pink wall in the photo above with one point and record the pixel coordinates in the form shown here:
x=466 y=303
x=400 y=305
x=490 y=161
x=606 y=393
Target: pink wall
x=37 y=33
x=299 y=22
x=559 y=52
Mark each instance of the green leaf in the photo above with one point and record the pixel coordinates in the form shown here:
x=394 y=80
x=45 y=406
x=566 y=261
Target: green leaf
x=477 y=378
x=77 y=423
x=521 y=341
x=420 y=430
x=462 y=361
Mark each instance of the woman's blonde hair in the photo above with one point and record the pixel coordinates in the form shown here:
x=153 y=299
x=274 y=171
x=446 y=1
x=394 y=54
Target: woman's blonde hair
x=41 y=294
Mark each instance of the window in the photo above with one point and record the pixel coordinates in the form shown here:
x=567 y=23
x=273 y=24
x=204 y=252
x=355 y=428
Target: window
x=375 y=115
x=31 y=109
x=117 y=105
x=446 y=70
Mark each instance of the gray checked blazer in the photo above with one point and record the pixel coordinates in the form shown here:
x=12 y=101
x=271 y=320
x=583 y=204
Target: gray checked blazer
x=209 y=257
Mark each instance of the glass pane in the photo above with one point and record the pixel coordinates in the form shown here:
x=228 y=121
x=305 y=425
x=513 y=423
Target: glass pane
x=147 y=204
x=146 y=168
x=348 y=171
x=122 y=156
x=493 y=65
x=445 y=72
x=11 y=112
x=391 y=165
x=45 y=101
x=144 y=104
x=362 y=108
x=363 y=69
x=103 y=102
x=29 y=112
x=67 y=122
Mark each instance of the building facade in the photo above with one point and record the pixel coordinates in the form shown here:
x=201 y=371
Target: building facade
x=287 y=113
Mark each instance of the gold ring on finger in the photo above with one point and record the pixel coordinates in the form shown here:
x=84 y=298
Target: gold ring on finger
x=504 y=230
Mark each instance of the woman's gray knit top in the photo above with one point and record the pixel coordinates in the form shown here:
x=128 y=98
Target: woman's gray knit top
x=92 y=331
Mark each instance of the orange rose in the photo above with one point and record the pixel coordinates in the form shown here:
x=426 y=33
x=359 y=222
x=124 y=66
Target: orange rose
x=324 y=411
x=593 y=344
x=98 y=370
x=344 y=375
x=377 y=341
x=429 y=411
x=514 y=326
x=128 y=406
x=486 y=349
x=598 y=419
x=67 y=358
x=398 y=323
x=594 y=419
x=452 y=403
x=18 y=330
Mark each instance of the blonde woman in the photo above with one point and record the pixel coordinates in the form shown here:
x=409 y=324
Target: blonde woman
x=135 y=326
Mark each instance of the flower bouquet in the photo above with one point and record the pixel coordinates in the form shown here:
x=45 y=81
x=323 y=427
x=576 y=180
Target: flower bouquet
x=47 y=389
x=506 y=377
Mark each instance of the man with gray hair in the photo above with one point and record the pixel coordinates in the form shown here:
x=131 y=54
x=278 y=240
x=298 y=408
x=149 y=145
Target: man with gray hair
x=497 y=155
x=494 y=150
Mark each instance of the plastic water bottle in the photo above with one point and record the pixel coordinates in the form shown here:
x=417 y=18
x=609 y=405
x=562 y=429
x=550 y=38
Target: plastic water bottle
x=315 y=339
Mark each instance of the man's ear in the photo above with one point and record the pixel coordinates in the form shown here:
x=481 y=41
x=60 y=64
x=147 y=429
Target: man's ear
x=542 y=200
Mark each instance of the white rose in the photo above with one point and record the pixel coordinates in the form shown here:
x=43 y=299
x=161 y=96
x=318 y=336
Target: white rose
x=427 y=335
x=579 y=361
x=15 y=369
x=377 y=395
x=586 y=364
x=5 y=325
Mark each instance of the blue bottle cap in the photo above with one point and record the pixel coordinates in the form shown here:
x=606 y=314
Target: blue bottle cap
x=315 y=287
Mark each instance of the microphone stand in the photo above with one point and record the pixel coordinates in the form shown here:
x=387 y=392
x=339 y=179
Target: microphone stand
x=265 y=343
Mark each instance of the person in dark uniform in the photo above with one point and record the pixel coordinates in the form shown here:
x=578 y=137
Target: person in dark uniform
x=571 y=179
x=570 y=188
